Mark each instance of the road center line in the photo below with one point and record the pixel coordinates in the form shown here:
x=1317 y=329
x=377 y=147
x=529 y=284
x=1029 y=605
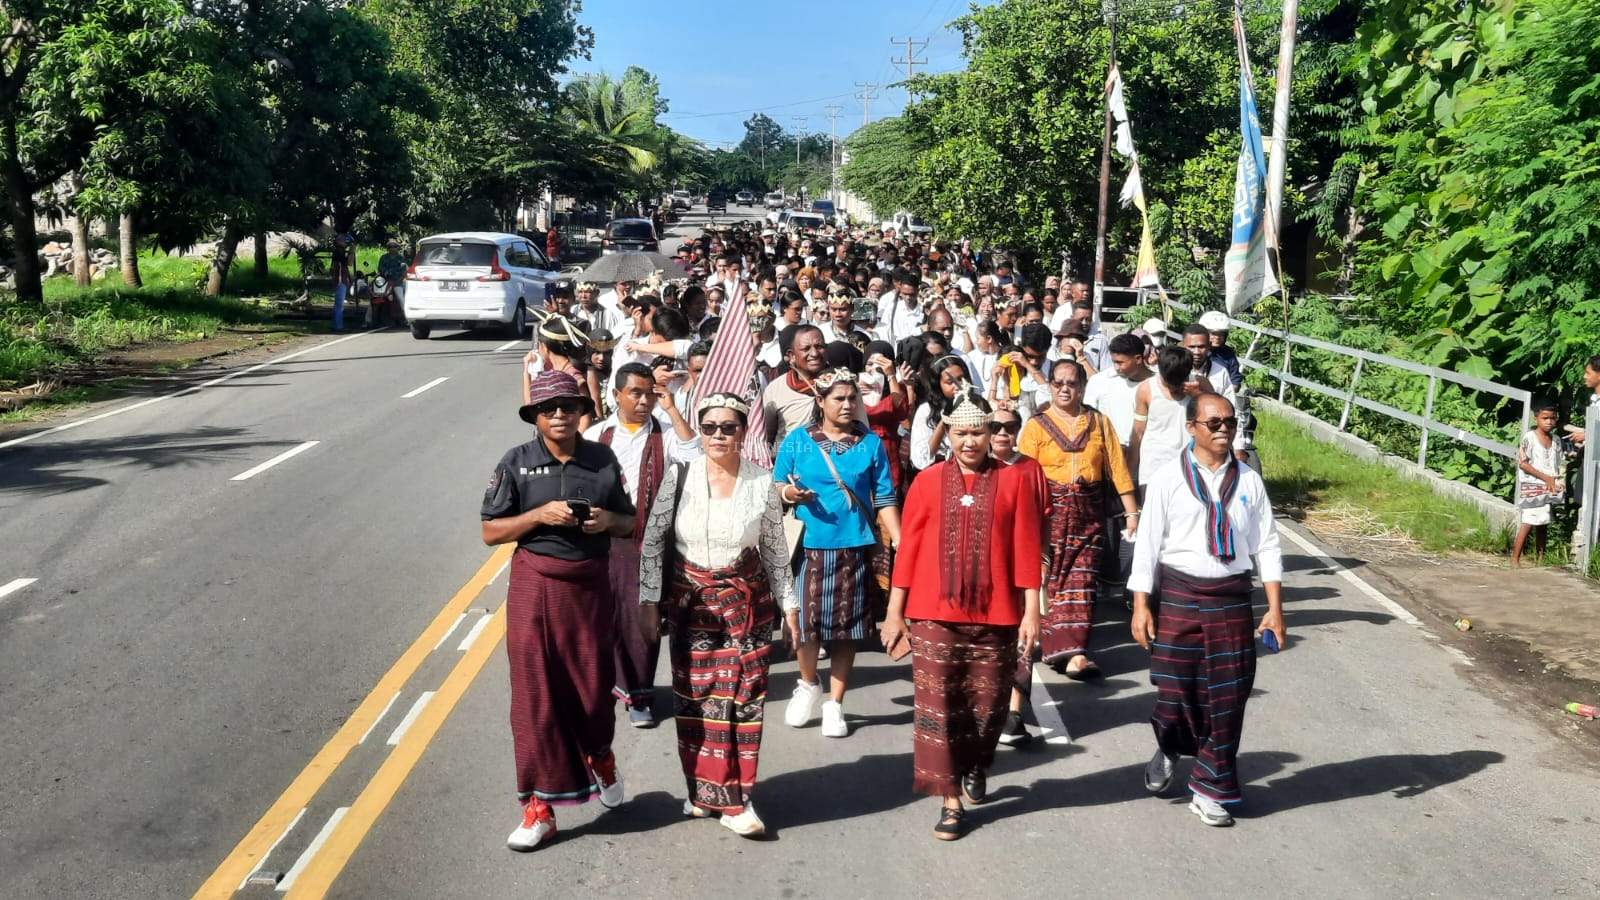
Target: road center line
x=321 y=872
x=411 y=716
x=254 y=845
x=292 y=452
x=432 y=384
x=14 y=585
x=272 y=848
x=477 y=629
x=182 y=392
x=446 y=636
x=386 y=707
x=507 y=345
x=1052 y=727
x=310 y=852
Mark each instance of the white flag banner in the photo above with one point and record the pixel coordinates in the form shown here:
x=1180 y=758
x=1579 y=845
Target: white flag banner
x=1134 y=188
x=1125 y=140
x=1114 y=101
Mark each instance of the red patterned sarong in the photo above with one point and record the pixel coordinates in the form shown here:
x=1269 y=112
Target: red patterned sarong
x=1072 y=568
x=961 y=679
x=721 y=622
x=560 y=638
x=1203 y=667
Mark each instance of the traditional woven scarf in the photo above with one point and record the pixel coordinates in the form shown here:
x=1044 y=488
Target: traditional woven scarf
x=652 y=466
x=1219 y=530
x=965 y=521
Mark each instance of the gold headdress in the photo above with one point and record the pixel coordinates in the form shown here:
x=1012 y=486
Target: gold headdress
x=828 y=379
x=966 y=409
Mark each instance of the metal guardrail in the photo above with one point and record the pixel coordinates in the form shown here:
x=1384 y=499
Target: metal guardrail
x=1348 y=395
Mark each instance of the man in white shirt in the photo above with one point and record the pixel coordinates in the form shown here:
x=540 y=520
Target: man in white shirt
x=838 y=327
x=619 y=293
x=1111 y=389
x=1197 y=340
x=900 y=313
x=592 y=315
x=1205 y=515
x=644 y=446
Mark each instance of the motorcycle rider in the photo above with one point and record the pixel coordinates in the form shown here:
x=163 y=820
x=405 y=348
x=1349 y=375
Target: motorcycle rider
x=392 y=269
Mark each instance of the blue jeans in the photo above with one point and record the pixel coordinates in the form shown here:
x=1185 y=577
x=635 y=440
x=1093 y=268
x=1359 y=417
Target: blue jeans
x=339 y=291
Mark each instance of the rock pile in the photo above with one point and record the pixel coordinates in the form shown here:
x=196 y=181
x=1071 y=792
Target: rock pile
x=56 y=258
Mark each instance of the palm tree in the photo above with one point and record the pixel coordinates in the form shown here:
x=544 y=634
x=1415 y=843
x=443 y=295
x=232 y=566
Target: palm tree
x=623 y=134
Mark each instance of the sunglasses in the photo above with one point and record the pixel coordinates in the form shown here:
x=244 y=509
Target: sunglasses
x=565 y=407
x=1231 y=423
x=1009 y=427
x=726 y=429
x=1058 y=385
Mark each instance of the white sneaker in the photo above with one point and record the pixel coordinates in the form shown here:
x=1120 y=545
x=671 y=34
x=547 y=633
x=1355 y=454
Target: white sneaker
x=833 y=723
x=538 y=825
x=612 y=794
x=1210 y=812
x=696 y=812
x=802 y=704
x=745 y=824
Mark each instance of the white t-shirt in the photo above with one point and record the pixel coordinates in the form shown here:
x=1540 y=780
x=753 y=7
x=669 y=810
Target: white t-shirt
x=1113 y=395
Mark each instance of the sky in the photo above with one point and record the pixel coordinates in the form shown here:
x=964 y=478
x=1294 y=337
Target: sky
x=721 y=62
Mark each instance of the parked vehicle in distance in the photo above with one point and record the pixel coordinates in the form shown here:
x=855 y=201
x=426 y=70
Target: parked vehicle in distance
x=471 y=277
x=682 y=200
x=717 y=203
x=906 y=223
x=775 y=200
x=744 y=198
x=802 y=221
x=826 y=209
x=629 y=234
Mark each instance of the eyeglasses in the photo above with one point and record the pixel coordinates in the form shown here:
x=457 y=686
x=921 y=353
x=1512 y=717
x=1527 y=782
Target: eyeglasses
x=1231 y=423
x=726 y=429
x=565 y=407
x=1061 y=385
x=1009 y=427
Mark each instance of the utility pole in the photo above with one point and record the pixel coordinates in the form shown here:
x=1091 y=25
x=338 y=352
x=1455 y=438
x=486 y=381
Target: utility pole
x=833 y=152
x=866 y=92
x=799 y=128
x=762 y=124
x=910 y=61
x=1278 y=158
x=1109 y=9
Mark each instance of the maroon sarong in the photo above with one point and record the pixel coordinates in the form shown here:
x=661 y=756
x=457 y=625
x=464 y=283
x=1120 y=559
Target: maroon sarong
x=961 y=678
x=1203 y=668
x=636 y=657
x=1072 y=568
x=560 y=638
x=722 y=622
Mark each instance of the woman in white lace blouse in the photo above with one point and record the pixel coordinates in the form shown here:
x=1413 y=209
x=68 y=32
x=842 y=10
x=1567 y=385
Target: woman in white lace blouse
x=714 y=554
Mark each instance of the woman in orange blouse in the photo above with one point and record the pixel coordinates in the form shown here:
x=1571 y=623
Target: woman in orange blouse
x=1079 y=452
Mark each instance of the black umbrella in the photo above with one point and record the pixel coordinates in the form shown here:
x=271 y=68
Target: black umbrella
x=631 y=265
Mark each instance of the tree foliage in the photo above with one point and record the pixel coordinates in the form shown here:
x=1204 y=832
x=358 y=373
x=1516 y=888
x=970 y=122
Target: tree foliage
x=882 y=167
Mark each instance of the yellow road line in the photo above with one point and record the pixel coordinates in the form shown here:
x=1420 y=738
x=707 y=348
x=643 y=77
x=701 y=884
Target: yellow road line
x=319 y=876
x=258 y=841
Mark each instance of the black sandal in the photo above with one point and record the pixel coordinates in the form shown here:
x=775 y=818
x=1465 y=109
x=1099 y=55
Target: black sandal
x=950 y=827
x=975 y=787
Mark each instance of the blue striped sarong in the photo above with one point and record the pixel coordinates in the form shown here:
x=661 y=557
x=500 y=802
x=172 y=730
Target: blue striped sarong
x=838 y=594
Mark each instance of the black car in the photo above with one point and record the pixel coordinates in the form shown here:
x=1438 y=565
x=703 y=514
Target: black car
x=630 y=234
x=717 y=203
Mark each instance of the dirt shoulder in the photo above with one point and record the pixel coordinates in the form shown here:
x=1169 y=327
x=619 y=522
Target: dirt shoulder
x=1534 y=633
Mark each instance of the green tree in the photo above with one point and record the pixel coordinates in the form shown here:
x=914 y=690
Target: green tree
x=882 y=167
x=76 y=79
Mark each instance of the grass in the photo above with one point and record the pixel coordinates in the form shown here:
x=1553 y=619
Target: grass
x=1366 y=499
x=77 y=326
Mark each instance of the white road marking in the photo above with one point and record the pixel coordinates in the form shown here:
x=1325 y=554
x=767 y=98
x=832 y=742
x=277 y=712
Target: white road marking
x=502 y=570
x=179 y=393
x=411 y=716
x=370 y=728
x=14 y=585
x=1052 y=726
x=292 y=452
x=311 y=850
x=477 y=629
x=432 y=384
x=507 y=345
x=263 y=860
x=453 y=626
x=1372 y=593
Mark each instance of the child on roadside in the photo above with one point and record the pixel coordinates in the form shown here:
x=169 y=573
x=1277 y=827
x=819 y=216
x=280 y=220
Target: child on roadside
x=1539 y=480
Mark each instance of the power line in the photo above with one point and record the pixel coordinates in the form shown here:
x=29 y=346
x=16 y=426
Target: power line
x=866 y=92
x=756 y=109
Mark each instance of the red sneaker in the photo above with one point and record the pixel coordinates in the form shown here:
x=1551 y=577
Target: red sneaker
x=605 y=772
x=538 y=825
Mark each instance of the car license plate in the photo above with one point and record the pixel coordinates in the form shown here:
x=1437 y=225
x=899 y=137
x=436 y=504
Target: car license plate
x=452 y=285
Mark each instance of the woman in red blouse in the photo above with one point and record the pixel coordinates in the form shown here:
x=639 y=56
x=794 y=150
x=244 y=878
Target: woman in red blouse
x=885 y=393
x=977 y=524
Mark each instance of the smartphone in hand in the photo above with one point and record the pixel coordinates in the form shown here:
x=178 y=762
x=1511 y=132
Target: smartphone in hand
x=582 y=509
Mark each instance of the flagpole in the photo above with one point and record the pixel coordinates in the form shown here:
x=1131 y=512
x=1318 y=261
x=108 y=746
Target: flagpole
x=1109 y=9
x=1277 y=162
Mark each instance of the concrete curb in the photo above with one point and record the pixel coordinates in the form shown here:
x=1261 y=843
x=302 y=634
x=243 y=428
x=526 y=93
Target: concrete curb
x=1500 y=513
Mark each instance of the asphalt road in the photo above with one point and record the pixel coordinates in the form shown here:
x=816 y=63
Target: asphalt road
x=295 y=680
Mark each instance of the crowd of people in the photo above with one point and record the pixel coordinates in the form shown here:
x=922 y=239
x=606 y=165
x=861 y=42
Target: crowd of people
x=960 y=459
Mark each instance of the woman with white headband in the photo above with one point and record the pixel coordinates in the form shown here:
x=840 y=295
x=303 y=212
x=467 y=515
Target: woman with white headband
x=714 y=554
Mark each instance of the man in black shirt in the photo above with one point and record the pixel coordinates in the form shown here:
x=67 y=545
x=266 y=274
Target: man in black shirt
x=560 y=499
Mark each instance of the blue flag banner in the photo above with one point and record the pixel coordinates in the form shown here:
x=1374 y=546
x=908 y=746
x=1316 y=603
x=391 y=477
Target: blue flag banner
x=1246 y=269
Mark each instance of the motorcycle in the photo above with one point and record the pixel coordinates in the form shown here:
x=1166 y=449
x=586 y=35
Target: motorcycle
x=386 y=303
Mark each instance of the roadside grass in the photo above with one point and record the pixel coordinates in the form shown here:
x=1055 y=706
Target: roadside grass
x=1366 y=499
x=78 y=325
